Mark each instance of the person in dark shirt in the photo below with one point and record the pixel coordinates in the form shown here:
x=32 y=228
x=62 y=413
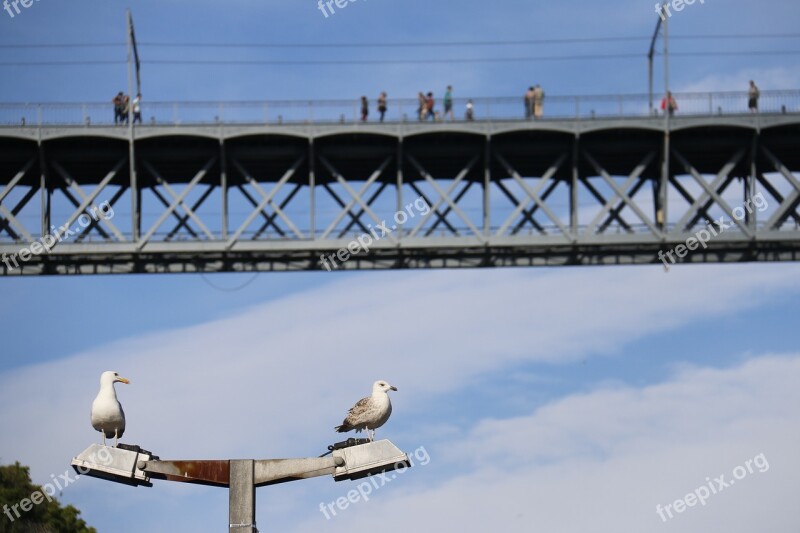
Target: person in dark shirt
x=126 y=103
x=382 y=105
x=528 y=101
x=118 y=102
x=448 y=103
x=752 y=97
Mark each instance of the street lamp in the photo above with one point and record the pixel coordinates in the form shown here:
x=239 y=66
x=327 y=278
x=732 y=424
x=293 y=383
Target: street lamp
x=131 y=465
x=661 y=191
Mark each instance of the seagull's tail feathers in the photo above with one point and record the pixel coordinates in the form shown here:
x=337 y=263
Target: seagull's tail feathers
x=344 y=428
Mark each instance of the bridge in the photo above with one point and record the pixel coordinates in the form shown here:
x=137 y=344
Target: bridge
x=277 y=186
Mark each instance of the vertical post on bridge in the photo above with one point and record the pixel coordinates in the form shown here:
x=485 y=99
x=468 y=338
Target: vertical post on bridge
x=242 y=497
x=650 y=55
x=662 y=214
x=134 y=187
x=750 y=184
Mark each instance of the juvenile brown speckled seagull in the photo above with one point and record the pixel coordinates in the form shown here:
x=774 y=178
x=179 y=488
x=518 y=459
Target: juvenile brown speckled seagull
x=371 y=412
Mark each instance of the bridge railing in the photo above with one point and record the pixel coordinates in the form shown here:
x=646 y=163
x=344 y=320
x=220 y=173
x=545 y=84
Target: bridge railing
x=584 y=107
x=582 y=230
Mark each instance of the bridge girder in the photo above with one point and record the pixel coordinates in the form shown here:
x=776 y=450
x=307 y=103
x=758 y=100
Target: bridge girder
x=280 y=198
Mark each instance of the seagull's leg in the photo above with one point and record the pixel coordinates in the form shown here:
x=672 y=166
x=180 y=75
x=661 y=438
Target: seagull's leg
x=116 y=438
x=104 y=437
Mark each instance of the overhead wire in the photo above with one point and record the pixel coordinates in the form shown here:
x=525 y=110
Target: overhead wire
x=297 y=62
x=392 y=61
x=416 y=44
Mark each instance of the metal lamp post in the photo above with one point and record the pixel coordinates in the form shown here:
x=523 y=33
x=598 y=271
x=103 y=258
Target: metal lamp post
x=132 y=465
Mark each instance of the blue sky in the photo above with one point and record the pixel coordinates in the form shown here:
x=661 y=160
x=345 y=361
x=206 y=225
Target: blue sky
x=536 y=392
x=380 y=21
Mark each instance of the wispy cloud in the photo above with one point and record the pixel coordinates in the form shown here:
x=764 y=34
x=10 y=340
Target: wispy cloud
x=275 y=379
x=605 y=459
x=765 y=78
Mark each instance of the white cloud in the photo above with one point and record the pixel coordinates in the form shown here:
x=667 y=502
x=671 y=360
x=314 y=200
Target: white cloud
x=283 y=373
x=766 y=78
x=604 y=460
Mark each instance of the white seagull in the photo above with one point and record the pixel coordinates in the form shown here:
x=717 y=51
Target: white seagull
x=107 y=415
x=371 y=412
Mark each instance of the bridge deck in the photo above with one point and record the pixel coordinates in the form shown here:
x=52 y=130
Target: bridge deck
x=248 y=196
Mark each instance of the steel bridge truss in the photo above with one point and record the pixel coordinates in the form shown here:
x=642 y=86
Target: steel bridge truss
x=178 y=201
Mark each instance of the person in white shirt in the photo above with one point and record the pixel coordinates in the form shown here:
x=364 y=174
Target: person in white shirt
x=137 y=108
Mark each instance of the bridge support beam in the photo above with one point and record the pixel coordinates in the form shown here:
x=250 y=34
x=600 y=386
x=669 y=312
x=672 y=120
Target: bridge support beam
x=277 y=197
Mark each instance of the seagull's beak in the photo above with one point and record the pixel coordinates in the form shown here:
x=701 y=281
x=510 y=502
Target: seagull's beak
x=393 y=388
x=122 y=380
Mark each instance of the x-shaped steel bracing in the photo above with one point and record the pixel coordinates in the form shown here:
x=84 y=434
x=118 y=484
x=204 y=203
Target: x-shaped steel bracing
x=445 y=196
x=88 y=199
x=623 y=194
x=178 y=199
x=533 y=195
x=9 y=217
x=269 y=219
x=267 y=199
x=441 y=216
x=356 y=198
x=788 y=205
x=611 y=209
x=347 y=208
x=712 y=192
